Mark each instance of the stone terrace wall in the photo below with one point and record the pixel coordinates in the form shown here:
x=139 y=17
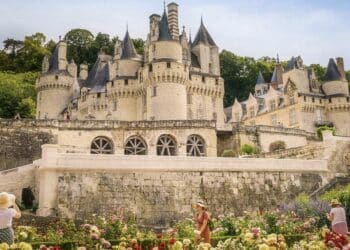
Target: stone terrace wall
x=159 y=190
x=20 y=143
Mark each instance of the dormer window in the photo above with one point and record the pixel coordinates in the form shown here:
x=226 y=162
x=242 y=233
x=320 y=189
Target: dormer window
x=98 y=95
x=126 y=82
x=273 y=105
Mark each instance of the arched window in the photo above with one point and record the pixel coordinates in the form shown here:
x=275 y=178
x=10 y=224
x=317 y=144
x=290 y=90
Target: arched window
x=195 y=146
x=166 y=145
x=101 y=145
x=135 y=146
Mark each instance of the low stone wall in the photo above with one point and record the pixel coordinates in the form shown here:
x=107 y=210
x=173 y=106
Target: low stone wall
x=160 y=190
x=14 y=180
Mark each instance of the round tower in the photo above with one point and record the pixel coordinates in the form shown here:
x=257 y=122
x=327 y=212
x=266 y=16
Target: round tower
x=334 y=82
x=54 y=86
x=167 y=75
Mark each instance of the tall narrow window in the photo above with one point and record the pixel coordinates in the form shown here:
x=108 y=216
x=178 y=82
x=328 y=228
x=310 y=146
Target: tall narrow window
x=126 y=82
x=189 y=99
x=273 y=105
x=150 y=68
x=203 y=79
x=154 y=91
x=274 y=120
x=168 y=65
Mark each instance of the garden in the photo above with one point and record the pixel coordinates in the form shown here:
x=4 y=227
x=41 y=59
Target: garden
x=299 y=225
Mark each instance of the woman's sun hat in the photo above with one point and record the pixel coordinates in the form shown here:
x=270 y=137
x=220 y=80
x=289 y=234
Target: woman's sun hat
x=201 y=204
x=335 y=202
x=4 y=200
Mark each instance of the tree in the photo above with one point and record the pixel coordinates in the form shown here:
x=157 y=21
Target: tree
x=79 y=42
x=51 y=45
x=12 y=45
x=139 y=45
x=320 y=71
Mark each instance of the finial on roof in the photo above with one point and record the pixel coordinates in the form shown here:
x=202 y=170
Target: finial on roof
x=127 y=26
x=164 y=4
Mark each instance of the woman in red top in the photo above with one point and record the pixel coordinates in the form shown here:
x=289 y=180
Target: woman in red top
x=202 y=221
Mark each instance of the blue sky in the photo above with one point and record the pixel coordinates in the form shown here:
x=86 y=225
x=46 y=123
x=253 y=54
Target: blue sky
x=314 y=29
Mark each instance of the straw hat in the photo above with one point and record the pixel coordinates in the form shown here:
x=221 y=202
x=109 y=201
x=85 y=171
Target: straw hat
x=335 y=202
x=4 y=200
x=201 y=204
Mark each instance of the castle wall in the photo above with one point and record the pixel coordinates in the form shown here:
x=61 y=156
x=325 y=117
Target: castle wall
x=159 y=191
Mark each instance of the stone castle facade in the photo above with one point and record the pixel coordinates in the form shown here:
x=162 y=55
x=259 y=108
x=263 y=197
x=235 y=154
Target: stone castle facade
x=294 y=98
x=170 y=100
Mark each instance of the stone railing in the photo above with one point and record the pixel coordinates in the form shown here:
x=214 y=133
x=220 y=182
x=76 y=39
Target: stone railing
x=105 y=124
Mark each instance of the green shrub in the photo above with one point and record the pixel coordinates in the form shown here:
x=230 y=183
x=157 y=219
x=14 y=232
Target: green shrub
x=322 y=128
x=229 y=153
x=247 y=149
x=277 y=145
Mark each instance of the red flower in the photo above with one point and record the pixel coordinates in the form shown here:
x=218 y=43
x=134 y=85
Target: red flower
x=161 y=246
x=172 y=241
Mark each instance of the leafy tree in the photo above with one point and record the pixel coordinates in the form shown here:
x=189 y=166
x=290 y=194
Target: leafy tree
x=79 y=42
x=51 y=45
x=139 y=45
x=30 y=56
x=12 y=45
x=103 y=43
x=319 y=71
x=26 y=108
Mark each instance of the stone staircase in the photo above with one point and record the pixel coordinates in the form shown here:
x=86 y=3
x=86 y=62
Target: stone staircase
x=338 y=181
x=308 y=152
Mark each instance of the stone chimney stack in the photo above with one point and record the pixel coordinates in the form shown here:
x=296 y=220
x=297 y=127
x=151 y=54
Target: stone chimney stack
x=62 y=55
x=341 y=68
x=173 y=17
x=72 y=68
x=154 y=27
x=46 y=64
x=83 y=74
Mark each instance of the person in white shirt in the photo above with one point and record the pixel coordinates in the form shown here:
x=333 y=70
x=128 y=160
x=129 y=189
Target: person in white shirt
x=6 y=216
x=338 y=218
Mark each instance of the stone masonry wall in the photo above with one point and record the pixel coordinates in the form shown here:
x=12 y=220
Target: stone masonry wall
x=21 y=145
x=158 y=199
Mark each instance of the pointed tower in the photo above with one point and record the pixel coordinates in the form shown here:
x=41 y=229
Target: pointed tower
x=164 y=31
x=206 y=51
x=334 y=83
x=261 y=86
x=277 y=76
x=129 y=62
x=55 y=85
x=186 y=52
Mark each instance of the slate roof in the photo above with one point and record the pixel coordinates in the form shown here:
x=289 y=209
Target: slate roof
x=53 y=62
x=260 y=79
x=274 y=76
x=203 y=36
x=128 y=48
x=99 y=74
x=164 y=32
x=195 y=61
x=332 y=73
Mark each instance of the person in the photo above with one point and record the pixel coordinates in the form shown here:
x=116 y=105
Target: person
x=338 y=218
x=6 y=216
x=202 y=223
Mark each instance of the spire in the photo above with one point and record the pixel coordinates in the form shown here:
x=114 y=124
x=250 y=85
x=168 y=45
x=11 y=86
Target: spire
x=278 y=59
x=128 y=49
x=260 y=79
x=203 y=36
x=332 y=73
x=164 y=32
x=190 y=39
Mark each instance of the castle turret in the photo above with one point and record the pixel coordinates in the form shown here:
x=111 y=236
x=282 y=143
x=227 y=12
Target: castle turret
x=206 y=51
x=173 y=20
x=186 y=52
x=341 y=68
x=261 y=86
x=277 y=76
x=55 y=85
x=334 y=82
x=72 y=68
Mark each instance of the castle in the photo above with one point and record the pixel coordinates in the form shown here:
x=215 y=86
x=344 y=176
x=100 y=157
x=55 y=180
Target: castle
x=179 y=80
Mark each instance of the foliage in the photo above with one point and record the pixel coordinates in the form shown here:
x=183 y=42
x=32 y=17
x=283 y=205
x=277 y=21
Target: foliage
x=17 y=94
x=277 y=145
x=248 y=149
x=343 y=195
x=229 y=153
x=320 y=71
x=185 y=228
x=323 y=128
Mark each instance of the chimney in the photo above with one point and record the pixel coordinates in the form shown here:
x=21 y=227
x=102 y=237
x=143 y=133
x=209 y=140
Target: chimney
x=83 y=74
x=62 y=55
x=173 y=17
x=341 y=68
x=72 y=68
x=154 y=27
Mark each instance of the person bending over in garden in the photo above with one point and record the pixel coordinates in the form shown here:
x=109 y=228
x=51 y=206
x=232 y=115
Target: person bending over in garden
x=6 y=215
x=338 y=218
x=202 y=223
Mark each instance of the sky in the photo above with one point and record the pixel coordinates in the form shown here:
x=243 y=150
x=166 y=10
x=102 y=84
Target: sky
x=314 y=29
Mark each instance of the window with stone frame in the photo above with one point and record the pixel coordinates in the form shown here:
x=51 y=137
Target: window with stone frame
x=154 y=91
x=251 y=111
x=189 y=98
x=135 y=145
x=273 y=105
x=318 y=115
x=292 y=116
x=215 y=116
x=291 y=100
x=195 y=146
x=101 y=145
x=115 y=105
x=166 y=145
x=274 y=120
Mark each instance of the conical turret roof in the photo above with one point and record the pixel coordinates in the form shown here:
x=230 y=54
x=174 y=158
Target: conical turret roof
x=164 y=32
x=332 y=73
x=203 y=36
x=128 y=48
x=260 y=79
